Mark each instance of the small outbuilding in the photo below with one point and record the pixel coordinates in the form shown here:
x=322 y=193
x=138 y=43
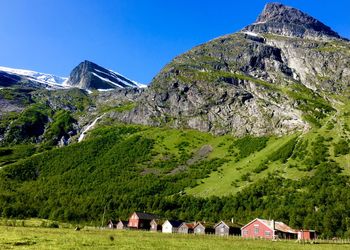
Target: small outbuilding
x=156 y=225
x=171 y=226
x=307 y=235
x=204 y=228
x=111 y=224
x=227 y=228
x=186 y=228
x=122 y=224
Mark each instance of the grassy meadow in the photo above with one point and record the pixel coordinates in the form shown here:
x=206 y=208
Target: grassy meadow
x=91 y=238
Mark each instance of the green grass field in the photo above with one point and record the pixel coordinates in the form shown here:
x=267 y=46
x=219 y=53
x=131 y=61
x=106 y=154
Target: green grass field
x=68 y=238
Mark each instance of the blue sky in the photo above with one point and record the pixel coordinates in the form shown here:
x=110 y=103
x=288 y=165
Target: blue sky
x=133 y=37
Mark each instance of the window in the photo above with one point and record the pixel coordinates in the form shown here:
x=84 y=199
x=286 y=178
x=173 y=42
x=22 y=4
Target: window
x=222 y=230
x=256 y=230
x=245 y=232
x=267 y=233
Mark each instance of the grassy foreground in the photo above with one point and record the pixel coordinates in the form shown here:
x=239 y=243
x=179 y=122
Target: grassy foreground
x=63 y=238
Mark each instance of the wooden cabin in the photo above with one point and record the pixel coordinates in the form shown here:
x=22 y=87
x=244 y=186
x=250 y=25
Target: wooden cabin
x=186 y=228
x=156 y=225
x=122 y=224
x=307 y=235
x=171 y=226
x=111 y=224
x=268 y=229
x=204 y=228
x=227 y=228
x=140 y=220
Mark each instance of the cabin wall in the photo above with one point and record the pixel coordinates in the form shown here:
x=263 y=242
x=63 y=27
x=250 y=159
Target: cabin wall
x=257 y=230
x=133 y=221
x=167 y=228
x=199 y=229
x=222 y=230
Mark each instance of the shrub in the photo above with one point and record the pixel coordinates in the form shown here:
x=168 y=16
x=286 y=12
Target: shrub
x=341 y=148
x=248 y=145
x=284 y=152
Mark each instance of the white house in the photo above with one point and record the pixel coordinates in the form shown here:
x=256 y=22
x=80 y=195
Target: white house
x=170 y=226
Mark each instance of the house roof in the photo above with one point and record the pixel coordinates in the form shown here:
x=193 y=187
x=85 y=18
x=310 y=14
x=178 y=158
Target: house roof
x=146 y=216
x=205 y=224
x=112 y=221
x=158 y=221
x=125 y=223
x=228 y=224
x=174 y=223
x=188 y=225
x=280 y=226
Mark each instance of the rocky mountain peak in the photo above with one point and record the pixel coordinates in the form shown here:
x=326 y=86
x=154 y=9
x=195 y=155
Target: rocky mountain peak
x=283 y=20
x=89 y=75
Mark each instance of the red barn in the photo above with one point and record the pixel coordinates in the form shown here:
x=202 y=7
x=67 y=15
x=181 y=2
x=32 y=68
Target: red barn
x=141 y=220
x=268 y=229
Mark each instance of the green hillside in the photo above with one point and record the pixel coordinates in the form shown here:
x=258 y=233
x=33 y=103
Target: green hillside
x=273 y=108
x=293 y=157
x=301 y=179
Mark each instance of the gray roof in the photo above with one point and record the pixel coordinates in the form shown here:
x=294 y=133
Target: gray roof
x=124 y=222
x=146 y=216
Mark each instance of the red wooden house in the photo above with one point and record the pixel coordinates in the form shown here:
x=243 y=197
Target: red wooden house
x=140 y=220
x=268 y=229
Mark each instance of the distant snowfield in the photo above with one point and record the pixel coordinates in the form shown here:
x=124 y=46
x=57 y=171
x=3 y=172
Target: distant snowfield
x=58 y=82
x=40 y=77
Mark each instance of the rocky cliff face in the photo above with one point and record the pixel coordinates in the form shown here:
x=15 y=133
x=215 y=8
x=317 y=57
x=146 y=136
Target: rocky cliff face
x=88 y=75
x=287 y=21
x=273 y=77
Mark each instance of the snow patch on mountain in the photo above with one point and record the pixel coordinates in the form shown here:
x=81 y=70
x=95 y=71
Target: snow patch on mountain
x=106 y=80
x=48 y=79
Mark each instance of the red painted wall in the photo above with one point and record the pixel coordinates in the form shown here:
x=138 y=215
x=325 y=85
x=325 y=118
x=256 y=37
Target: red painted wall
x=306 y=235
x=133 y=221
x=256 y=229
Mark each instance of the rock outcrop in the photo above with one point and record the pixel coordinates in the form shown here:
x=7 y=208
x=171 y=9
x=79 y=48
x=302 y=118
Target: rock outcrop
x=287 y=21
x=270 y=78
x=88 y=75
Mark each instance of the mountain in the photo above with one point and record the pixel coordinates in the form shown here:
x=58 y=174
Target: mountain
x=50 y=110
x=274 y=99
x=283 y=20
x=276 y=76
x=10 y=76
x=88 y=75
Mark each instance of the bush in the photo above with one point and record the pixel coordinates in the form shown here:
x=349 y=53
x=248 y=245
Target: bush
x=284 y=152
x=248 y=145
x=341 y=148
x=246 y=177
x=263 y=166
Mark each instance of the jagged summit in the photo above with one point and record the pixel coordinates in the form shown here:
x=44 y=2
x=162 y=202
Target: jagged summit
x=89 y=75
x=283 y=20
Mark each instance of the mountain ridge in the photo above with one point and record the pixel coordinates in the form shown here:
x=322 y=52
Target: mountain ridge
x=81 y=76
x=88 y=75
x=250 y=83
x=280 y=19
x=274 y=115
